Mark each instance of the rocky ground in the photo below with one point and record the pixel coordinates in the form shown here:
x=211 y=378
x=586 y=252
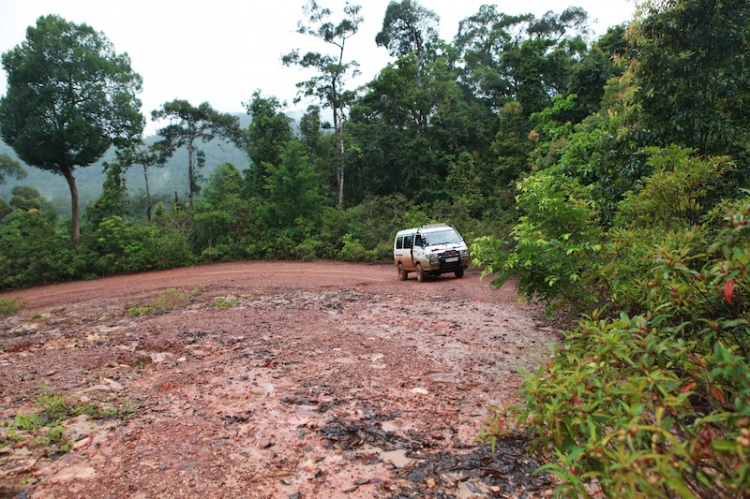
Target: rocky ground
x=265 y=379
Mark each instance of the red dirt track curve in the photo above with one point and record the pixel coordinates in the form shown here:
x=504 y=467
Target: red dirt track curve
x=273 y=379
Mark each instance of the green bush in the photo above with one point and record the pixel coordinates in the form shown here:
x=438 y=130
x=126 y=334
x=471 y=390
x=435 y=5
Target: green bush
x=168 y=249
x=11 y=306
x=641 y=413
x=353 y=249
x=658 y=405
x=561 y=254
x=553 y=245
x=171 y=299
x=682 y=190
x=34 y=251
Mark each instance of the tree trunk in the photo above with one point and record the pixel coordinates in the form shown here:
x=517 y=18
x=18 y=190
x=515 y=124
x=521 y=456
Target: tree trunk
x=148 y=194
x=68 y=174
x=339 y=134
x=340 y=166
x=338 y=125
x=191 y=150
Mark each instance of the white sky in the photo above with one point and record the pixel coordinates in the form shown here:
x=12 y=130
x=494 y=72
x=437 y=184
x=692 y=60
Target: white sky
x=221 y=51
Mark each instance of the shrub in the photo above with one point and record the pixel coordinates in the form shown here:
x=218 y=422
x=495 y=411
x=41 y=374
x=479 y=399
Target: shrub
x=640 y=412
x=118 y=246
x=682 y=190
x=34 y=252
x=224 y=302
x=165 y=250
x=553 y=245
x=353 y=249
x=658 y=405
x=11 y=306
x=172 y=299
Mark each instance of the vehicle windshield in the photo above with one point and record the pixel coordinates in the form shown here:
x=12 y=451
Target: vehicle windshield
x=442 y=237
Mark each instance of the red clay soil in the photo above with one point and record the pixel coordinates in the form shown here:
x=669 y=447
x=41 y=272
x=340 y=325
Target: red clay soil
x=267 y=379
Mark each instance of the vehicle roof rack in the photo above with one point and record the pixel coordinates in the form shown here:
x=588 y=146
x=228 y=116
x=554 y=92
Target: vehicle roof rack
x=434 y=226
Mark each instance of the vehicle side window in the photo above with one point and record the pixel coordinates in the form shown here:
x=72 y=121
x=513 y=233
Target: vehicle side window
x=400 y=242
x=417 y=240
x=408 y=242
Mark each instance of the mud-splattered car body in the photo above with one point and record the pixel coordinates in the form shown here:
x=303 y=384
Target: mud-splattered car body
x=430 y=250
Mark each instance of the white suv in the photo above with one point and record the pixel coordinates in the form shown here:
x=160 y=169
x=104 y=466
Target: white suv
x=430 y=250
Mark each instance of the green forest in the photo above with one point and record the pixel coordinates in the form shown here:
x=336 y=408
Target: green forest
x=607 y=178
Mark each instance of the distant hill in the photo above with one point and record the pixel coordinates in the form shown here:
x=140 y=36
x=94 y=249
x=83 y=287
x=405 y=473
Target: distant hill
x=164 y=180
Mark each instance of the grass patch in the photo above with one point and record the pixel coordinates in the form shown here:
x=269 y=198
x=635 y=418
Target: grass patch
x=224 y=302
x=126 y=408
x=38 y=315
x=170 y=299
x=29 y=422
x=56 y=438
x=55 y=409
x=11 y=306
x=136 y=310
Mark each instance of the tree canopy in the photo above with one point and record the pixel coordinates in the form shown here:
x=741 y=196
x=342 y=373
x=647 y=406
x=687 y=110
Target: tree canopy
x=188 y=124
x=70 y=97
x=694 y=68
x=9 y=167
x=408 y=27
x=329 y=85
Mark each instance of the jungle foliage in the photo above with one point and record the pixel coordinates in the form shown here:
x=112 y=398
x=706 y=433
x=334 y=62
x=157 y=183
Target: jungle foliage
x=607 y=178
x=429 y=139
x=634 y=225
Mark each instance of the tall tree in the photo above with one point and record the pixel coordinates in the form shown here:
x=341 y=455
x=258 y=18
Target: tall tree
x=224 y=214
x=593 y=71
x=293 y=190
x=328 y=86
x=408 y=133
x=694 y=72
x=139 y=153
x=309 y=128
x=112 y=200
x=70 y=97
x=187 y=125
x=520 y=57
x=408 y=27
x=410 y=30
x=9 y=167
x=541 y=65
x=511 y=146
x=267 y=136
x=320 y=148
x=483 y=40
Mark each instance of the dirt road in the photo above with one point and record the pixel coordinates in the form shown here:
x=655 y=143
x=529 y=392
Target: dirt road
x=266 y=379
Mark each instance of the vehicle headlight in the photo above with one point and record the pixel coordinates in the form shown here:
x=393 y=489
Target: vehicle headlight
x=465 y=254
x=434 y=259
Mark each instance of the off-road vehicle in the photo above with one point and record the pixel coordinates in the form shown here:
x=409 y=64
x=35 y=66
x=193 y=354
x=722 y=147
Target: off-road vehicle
x=430 y=250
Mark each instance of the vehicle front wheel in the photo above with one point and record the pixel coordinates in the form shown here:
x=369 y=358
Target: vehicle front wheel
x=459 y=273
x=420 y=273
x=402 y=273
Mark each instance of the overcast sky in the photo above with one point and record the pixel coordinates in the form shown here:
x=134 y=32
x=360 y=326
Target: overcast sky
x=221 y=51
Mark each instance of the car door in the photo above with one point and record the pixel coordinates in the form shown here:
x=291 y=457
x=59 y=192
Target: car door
x=418 y=251
x=407 y=252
